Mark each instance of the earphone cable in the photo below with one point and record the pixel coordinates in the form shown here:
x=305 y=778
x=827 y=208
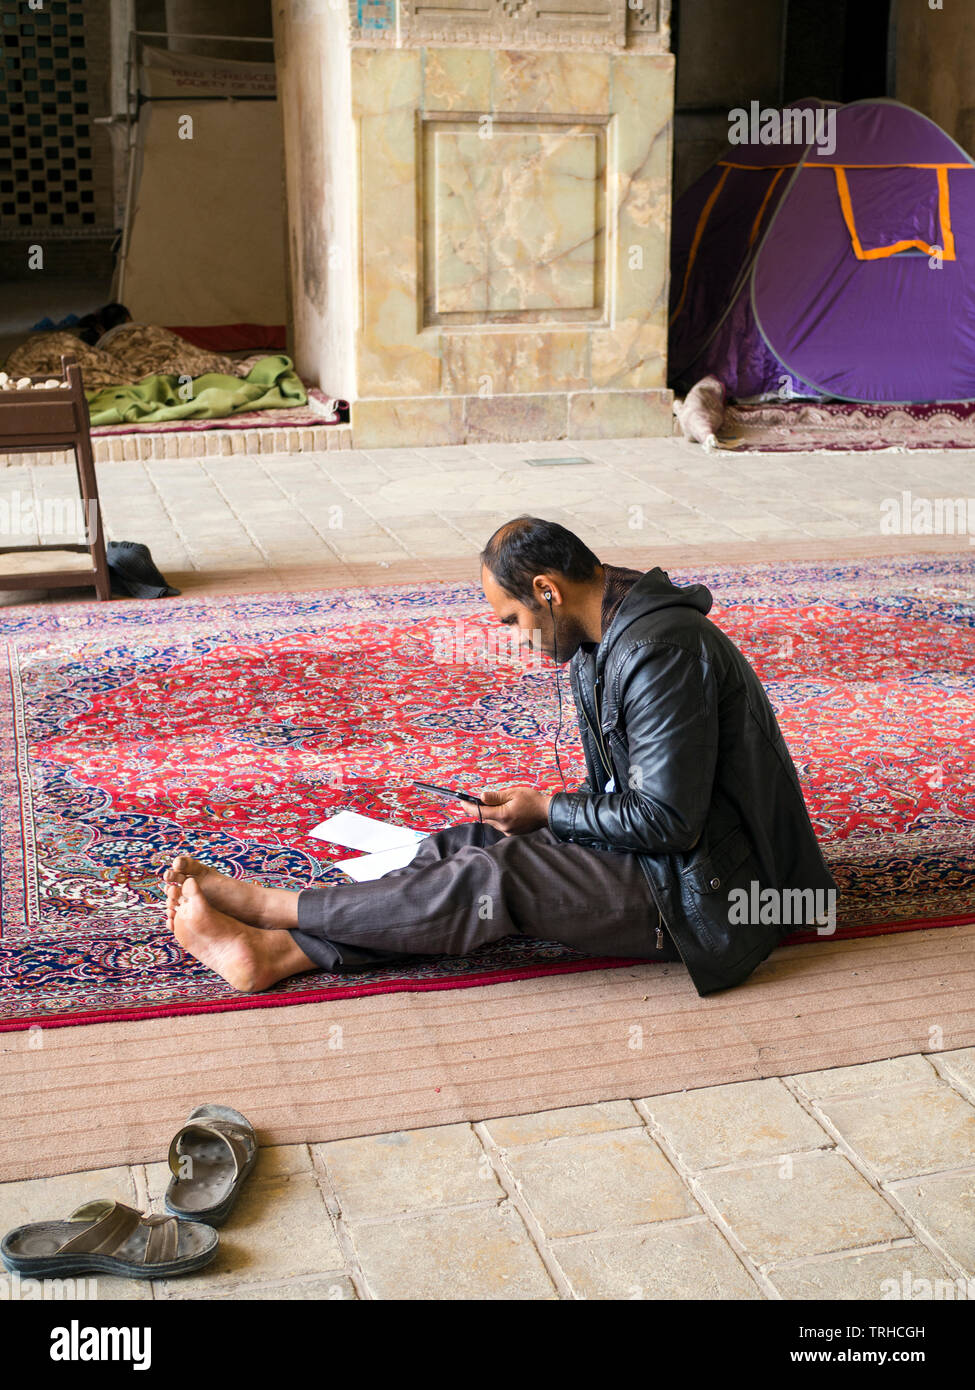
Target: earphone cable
x=558 y=688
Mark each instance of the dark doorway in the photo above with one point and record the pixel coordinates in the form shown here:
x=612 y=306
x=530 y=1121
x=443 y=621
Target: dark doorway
x=835 y=49
x=771 y=51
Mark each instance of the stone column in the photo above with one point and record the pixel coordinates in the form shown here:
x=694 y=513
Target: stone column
x=934 y=52
x=312 y=56
x=479 y=214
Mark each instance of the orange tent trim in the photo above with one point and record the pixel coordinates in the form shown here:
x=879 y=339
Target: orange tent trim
x=946 y=252
x=698 y=233
x=762 y=168
x=879 y=253
x=761 y=212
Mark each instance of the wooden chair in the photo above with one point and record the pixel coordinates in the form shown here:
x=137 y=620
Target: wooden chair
x=33 y=421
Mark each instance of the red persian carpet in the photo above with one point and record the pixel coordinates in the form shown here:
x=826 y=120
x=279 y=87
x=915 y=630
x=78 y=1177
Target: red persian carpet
x=231 y=727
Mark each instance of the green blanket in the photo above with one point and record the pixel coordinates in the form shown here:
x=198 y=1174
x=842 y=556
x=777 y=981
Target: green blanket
x=270 y=382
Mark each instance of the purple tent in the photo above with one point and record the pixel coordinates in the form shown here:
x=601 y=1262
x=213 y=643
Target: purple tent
x=844 y=272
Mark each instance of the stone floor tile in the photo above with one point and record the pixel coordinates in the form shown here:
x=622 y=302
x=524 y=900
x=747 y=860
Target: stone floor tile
x=488 y=466
x=835 y=529
x=281 y=1160
x=675 y=1260
x=866 y=1079
x=388 y=1174
x=353 y=522
x=478 y=526
x=552 y=1124
x=944 y=1204
x=54 y=1199
x=752 y=528
x=369 y=546
x=385 y=457
x=920 y=1129
x=279 y=1229
x=435 y=453
x=329 y=1288
x=384 y=559
x=467 y=1253
x=594 y=1182
x=877 y=1274
x=211 y=557
x=214 y=531
x=280 y=554
x=723 y=1124
x=959 y=1066
x=716 y=532
x=825 y=1205
x=435 y=543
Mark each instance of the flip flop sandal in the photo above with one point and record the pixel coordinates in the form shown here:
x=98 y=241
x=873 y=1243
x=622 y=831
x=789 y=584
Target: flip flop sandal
x=209 y=1159
x=105 y=1237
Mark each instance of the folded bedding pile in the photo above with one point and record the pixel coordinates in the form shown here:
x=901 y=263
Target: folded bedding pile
x=144 y=373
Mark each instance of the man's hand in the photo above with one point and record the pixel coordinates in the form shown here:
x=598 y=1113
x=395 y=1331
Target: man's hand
x=515 y=810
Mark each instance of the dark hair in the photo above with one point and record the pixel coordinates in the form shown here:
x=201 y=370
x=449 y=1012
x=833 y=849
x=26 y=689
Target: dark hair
x=92 y=326
x=113 y=314
x=527 y=546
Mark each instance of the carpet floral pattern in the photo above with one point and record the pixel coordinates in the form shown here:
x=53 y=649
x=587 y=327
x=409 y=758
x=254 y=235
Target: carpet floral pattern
x=231 y=727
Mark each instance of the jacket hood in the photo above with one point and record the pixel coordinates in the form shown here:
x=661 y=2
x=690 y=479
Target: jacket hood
x=651 y=592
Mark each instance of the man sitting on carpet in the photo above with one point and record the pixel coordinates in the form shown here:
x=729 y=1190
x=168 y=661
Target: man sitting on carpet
x=692 y=812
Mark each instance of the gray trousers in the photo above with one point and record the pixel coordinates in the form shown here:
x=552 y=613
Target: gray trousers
x=470 y=885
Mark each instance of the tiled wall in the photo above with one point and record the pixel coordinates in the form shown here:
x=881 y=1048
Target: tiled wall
x=55 y=165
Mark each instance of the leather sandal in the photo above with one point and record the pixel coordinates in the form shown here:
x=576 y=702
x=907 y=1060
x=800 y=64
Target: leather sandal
x=209 y=1159
x=106 y=1237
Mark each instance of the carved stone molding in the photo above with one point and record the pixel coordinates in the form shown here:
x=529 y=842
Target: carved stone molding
x=646 y=23
x=583 y=24
x=595 y=23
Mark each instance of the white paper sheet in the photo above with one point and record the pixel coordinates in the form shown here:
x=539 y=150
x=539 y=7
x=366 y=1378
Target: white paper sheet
x=365 y=833
x=370 y=866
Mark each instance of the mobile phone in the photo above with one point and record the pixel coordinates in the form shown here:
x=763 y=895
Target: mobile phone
x=451 y=793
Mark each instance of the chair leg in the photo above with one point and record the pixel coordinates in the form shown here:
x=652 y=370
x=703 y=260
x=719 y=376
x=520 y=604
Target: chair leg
x=88 y=483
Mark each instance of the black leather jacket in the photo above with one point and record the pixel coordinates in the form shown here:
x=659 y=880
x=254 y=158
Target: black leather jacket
x=704 y=789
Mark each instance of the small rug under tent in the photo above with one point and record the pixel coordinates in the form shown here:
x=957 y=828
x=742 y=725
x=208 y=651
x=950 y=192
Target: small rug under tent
x=846 y=426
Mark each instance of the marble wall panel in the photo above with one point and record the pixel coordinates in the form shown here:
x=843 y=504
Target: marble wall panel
x=619 y=414
x=631 y=351
x=560 y=84
x=499 y=419
x=482 y=364
x=558 y=221
x=457 y=79
x=513 y=221
x=391 y=424
x=393 y=358
x=631 y=355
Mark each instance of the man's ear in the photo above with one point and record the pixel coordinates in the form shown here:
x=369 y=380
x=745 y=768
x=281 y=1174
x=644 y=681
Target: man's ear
x=546 y=589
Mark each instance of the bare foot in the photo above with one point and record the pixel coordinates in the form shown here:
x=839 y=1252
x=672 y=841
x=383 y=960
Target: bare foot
x=249 y=959
x=237 y=897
